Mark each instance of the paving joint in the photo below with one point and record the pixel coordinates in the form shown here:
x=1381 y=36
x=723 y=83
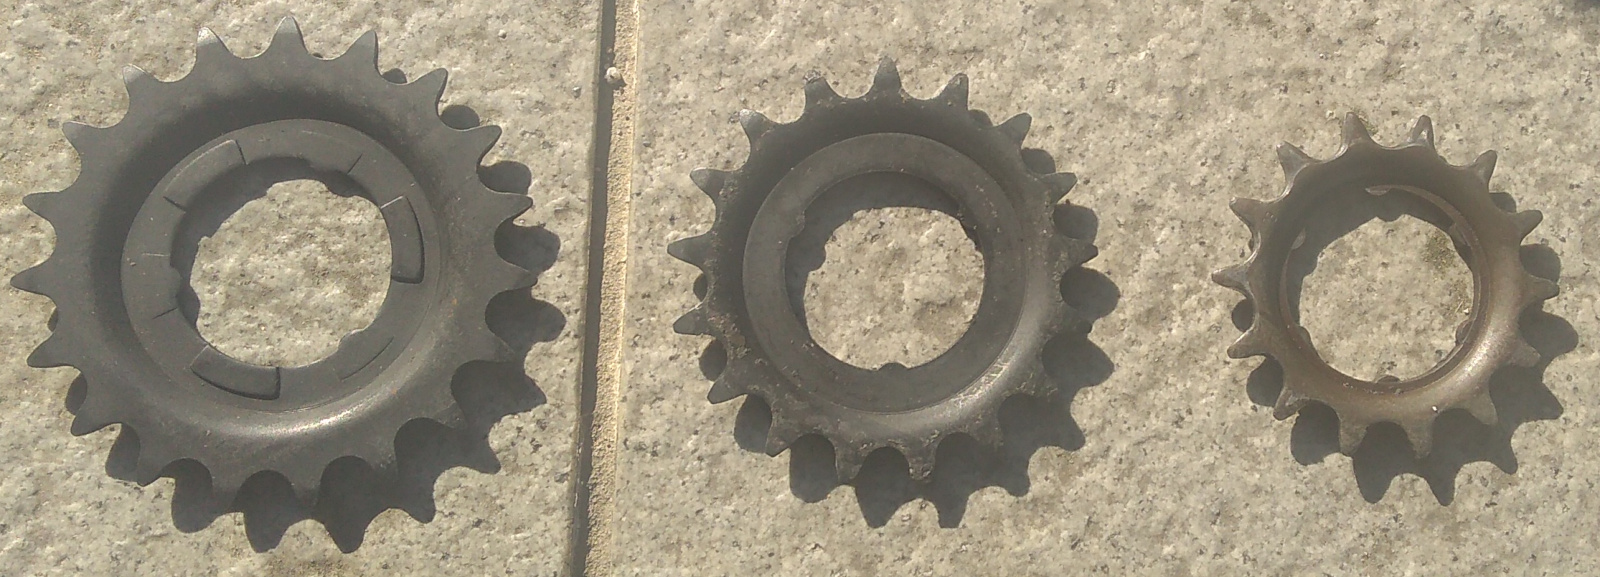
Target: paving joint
x=599 y=394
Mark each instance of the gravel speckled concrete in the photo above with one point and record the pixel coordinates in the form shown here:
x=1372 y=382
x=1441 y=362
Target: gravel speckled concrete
x=1165 y=110
x=526 y=68
x=1161 y=458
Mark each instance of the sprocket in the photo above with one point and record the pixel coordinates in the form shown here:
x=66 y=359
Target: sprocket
x=123 y=226
x=1489 y=237
x=760 y=207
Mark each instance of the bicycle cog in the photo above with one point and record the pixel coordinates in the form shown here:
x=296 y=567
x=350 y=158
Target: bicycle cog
x=118 y=268
x=1488 y=237
x=1005 y=206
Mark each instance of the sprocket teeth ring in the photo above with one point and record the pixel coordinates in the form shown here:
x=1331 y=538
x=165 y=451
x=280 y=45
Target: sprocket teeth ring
x=1490 y=338
x=115 y=274
x=761 y=206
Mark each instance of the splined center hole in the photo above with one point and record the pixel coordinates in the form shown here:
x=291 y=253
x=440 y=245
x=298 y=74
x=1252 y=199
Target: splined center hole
x=1386 y=299
x=899 y=283
x=289 y=274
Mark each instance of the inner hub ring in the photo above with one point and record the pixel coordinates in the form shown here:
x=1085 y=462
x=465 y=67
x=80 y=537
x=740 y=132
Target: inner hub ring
x=151 y=284
x=893 y=388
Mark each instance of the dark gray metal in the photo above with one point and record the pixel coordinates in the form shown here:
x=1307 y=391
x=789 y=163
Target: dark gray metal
x=124 y=229
x=762 y=206
x=1491 y=237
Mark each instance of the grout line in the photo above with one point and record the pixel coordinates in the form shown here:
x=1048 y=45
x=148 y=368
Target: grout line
x=611 y=161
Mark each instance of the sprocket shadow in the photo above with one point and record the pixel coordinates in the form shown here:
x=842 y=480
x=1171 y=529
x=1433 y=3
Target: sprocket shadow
x=352 y=493
x=962 y=465
x=1518 y=393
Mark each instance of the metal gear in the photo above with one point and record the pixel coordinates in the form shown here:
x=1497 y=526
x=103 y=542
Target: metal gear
x=120 y=227
x=1006 y=207
x=1488 y=237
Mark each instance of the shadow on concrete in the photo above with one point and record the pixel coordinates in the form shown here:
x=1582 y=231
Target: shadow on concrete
x=963 y=466
x=352 y=493
x=1519 y=393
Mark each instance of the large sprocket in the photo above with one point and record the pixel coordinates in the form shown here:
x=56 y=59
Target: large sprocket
x=120 y=228
x=1005 y=206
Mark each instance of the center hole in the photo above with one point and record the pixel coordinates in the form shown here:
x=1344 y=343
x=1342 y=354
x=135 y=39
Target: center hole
x=900 y=283
x=289 y=274
x=1386 y=299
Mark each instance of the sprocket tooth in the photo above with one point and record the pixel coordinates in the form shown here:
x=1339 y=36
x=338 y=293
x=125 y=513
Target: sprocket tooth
x=50 y=205
x=1078 y=252
x=1253 y=212
x=1289 y=402
x=1526 y=221
x=55 y=351
x=32 y=279
x=288 y=36
x=819 y=92
x=1249 y=345
x=693 y=322
x=781 y=434
x=1539 y=289
x=1481 y=407
x=885 y=78
x=1059 y=184
x=724 y=389
x=1422 y=131
x=1293 y=159
x=955 y=92
x=848 y=459
x=137 y=81
x=385 y=466
x=1069 y=320
x=479 y=140
x=363 y=52
x=449 y=413
x=1420 y=433
x=154 y=456
x=95 y=413
x=307 y=493
x=754 y=124
x=81 y=136
x=226 y=483
x=1235 y=277
x=1484 y=165
x=1350 y=435
x=711 y=182
x=209 y=49
x=1037 y=382
x=1355 y=130
x=920 y=459
x=513 y=276
x=1016 y=128
x=431 y=85
x=693 y=250
x=986 y=431
x=1522 y=353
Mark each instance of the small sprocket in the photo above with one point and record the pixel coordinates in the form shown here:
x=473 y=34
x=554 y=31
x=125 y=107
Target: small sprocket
x=760 y=207
x=123 y=228
x=1489 y=238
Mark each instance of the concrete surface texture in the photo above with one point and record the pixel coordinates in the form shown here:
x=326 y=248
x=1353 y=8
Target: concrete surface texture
x=1160 y=457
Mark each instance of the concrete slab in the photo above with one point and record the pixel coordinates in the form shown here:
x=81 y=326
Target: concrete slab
x=526 y=68
x=1165 y=460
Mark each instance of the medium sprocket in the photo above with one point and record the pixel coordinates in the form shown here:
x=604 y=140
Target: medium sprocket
x=760 y=207
x=179 y=152
x=1489 y=237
